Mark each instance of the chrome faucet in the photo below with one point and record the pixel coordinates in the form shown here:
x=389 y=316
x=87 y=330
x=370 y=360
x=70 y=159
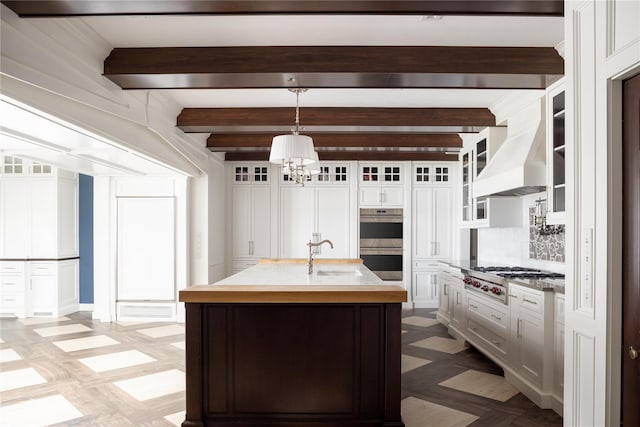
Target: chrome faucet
x=311 y=244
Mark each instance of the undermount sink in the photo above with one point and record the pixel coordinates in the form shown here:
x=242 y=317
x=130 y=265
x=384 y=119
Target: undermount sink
x=339 y=273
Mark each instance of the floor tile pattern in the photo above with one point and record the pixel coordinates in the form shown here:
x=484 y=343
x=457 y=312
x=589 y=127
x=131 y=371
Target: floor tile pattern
x=132 y=374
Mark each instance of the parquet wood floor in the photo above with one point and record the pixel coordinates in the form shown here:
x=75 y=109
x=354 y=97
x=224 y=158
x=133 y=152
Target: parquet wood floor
x=132 y=374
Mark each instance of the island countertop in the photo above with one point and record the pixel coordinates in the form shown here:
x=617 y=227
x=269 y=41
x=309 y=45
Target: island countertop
x=282 y=282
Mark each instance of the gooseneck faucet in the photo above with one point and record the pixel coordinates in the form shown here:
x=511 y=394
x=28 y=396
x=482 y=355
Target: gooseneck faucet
x=311 y=244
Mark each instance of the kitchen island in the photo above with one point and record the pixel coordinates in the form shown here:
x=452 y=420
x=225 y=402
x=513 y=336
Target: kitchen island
x=275 y=346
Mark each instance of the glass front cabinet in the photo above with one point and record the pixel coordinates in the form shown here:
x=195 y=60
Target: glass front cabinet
x=556 y=194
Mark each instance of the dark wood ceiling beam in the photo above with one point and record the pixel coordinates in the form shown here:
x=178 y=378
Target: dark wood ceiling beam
x=230 y=142
x=195 y=7
x=352 y=155
x=334 y=66
x=247 y=120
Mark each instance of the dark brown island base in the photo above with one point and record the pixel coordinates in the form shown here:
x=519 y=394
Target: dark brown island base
x=274 y=346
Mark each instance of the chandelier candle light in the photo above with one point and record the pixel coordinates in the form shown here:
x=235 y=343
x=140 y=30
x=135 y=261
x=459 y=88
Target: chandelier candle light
x=295 y=152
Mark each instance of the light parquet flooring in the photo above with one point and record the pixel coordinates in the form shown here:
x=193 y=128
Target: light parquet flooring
x=106 y=376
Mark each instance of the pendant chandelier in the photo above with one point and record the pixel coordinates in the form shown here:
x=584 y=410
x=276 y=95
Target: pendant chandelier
x=295 y=152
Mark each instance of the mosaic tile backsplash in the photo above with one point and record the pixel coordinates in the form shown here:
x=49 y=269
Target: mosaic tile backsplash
x=545 y=247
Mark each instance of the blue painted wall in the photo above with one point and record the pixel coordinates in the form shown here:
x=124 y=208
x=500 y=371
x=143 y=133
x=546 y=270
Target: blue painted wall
x=85 y=215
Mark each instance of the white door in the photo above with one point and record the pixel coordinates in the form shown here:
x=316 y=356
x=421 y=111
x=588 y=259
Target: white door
x=43 y=300
x=297 y=220
x=425 y=290
x=392 y=196
x=261 y=222
x=423 y=219
x=442 y=222
x=241 y=221
x=333 y=221
x=146 y=247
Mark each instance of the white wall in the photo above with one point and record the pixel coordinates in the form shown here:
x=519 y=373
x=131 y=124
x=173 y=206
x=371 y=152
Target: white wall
x=510 y=245
x=217 y=222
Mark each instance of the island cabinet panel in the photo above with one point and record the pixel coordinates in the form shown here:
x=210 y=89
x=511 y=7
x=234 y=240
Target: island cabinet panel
x=293 y=364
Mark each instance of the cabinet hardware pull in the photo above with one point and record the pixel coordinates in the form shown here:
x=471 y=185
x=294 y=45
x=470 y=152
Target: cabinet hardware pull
x=10 y=284
x=513 y=296
x=495 y=342
x=474 y=329
x=10 y=299
x=518 y=330
x=458 y=298
x=496 y=317
x=529 y=301
x=446 y=292
x=474 y=306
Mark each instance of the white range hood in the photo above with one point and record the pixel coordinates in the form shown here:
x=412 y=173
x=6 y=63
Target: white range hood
x=518 y=167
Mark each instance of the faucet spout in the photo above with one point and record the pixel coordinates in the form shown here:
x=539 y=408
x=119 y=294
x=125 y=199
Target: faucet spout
x=310 y=260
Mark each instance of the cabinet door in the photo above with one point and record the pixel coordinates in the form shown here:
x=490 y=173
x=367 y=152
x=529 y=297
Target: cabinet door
x=425 y=288
x=43 y=296
x=370 y=196
x=14 y=218
x=297 y=220
x=392 y=196
x=261 y=222
x=333 y=215
x=241 y=221
x=443 y=295
x=423 y=222
x=458 y=307
x=442 y=224
x=531 y=345
x=44 y=227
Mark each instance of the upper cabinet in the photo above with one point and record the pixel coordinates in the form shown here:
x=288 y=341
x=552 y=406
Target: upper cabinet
x=485 y=211
x=250 y=173
x=38 y=210
x=556 y=154
x=381 y=184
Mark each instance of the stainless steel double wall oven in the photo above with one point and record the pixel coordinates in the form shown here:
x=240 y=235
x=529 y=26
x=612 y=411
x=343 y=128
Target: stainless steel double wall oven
x=381 y=242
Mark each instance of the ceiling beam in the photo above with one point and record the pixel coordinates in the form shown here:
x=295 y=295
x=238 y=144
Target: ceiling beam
x=234 y=142
x=334 y=67
x=335 y=119
x=195 y=7
x=352 y=155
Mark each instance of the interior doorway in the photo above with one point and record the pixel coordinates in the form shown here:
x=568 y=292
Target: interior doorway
x=630 y=409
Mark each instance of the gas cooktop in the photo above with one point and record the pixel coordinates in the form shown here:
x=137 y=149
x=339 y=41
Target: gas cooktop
x=519 y=272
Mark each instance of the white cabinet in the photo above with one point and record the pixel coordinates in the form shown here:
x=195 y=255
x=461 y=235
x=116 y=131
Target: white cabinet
x=432 y=222
x=250 y=173
x=424 y=289
x=381 y=184
x=556 y=153
x=444 y=289
x=558 y=338
x=488 y=325
x=485 y=211
x=38 y=211
x=531 y=333
x=315 y=209
x=42 y=289
x=458 y=306
x=12 y=289
x=251 y=224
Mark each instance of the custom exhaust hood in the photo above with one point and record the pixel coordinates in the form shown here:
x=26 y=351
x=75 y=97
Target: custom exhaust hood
x=518 y=167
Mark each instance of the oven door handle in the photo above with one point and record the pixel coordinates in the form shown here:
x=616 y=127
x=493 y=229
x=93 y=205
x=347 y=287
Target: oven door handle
x=380 y=251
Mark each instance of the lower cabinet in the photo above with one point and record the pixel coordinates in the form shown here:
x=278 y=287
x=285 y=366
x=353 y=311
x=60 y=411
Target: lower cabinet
x=39 y=289
x=525 y=337
x=12 y=289
x=488 y=322
x=424 y=292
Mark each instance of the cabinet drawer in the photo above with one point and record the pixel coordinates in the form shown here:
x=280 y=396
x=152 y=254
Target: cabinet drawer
x=42 y=269
x=494 y=341
x=10 y=301
x=426 y=264
x=531 y=301
x=12 y=285
x=240 y=265
x=11 y=267
x=488 y=312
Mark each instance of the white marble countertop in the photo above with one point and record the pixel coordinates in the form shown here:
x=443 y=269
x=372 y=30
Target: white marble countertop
x=290 y=282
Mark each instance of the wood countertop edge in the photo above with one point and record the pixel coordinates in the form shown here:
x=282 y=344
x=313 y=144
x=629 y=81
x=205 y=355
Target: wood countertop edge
x=301 y=294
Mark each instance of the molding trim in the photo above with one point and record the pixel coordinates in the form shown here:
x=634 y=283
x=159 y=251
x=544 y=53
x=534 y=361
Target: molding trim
x=85 y=307
x=514 y=102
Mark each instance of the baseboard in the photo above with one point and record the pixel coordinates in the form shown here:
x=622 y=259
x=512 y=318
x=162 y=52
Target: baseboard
x=85 y=307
